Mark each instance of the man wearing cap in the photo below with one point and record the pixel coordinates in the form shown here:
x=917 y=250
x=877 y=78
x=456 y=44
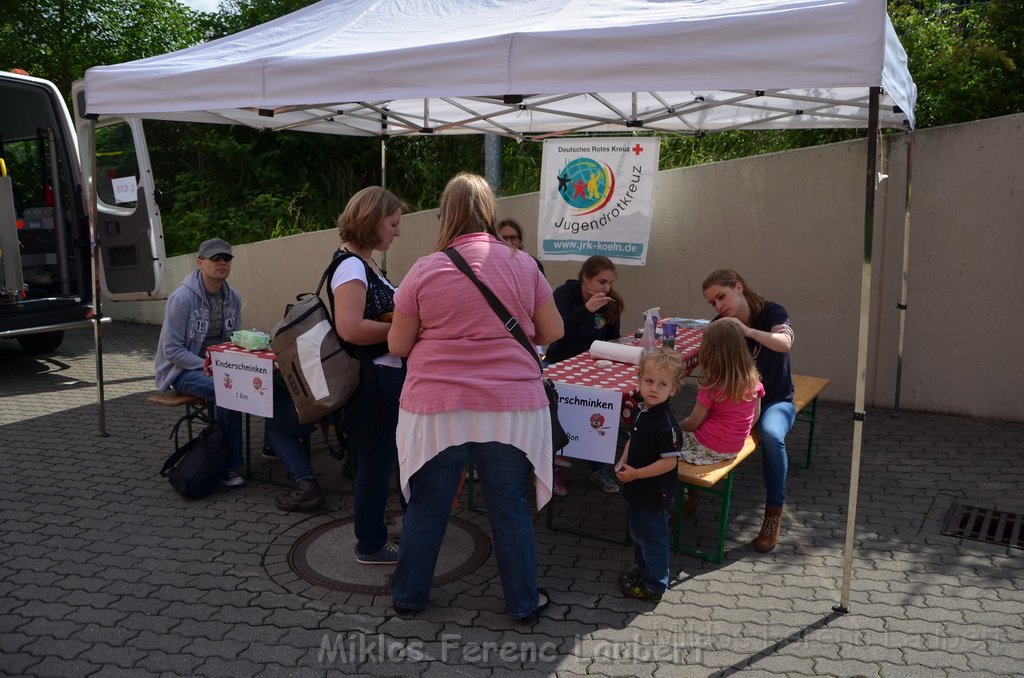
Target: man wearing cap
x=202 y=312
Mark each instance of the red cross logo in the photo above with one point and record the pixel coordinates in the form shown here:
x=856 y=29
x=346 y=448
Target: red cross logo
x=638 y=149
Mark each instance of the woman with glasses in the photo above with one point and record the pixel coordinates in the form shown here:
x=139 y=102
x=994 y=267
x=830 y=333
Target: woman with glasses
x=511 y=232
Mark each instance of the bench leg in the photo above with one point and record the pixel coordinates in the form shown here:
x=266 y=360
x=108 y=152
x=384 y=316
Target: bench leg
x=809 y=417
x=725 y=493
x=203 y=414
x=469 y=480
x=723 y=523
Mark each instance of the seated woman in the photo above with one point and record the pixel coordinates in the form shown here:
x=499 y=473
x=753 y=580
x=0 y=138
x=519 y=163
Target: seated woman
x=590 y=309
x=769 y=334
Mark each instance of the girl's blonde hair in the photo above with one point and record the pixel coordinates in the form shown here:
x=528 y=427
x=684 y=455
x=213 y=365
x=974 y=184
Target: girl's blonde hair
x=364 y=213
x=467 y=206
x=725 y=362
x=663 y=359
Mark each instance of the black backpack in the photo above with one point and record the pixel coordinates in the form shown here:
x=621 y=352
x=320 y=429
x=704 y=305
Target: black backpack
x=196 y=468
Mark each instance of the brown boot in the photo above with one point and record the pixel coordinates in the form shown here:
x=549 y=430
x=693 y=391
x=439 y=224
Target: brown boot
x=305 y=496
x=770 y=528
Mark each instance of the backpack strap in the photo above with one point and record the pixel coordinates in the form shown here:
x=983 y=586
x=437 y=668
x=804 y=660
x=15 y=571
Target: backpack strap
x=179 y=452
x=340 y=255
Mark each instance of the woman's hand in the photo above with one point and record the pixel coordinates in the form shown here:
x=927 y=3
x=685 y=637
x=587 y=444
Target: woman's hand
x=596 y=301
x=780 y=341
x=738 y=323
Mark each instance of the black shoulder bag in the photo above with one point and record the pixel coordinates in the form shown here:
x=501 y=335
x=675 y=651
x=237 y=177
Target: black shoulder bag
x=559 y=439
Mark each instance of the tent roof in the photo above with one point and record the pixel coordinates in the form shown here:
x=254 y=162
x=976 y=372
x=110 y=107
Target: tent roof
x=528 y=68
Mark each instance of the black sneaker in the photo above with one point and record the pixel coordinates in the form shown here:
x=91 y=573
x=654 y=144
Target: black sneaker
x=305 y=496
x=232 y=478
x=388 y=555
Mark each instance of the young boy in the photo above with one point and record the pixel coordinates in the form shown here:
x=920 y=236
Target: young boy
x=647 y=469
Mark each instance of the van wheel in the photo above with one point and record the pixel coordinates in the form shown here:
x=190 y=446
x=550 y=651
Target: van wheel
x=38 y=344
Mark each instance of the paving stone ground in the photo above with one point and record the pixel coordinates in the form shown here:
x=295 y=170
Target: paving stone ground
x=104 y=571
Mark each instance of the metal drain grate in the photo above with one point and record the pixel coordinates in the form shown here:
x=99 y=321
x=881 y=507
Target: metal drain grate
x=985 y=525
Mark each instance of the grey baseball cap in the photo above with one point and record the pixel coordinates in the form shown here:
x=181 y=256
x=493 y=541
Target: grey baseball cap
x=214 y=246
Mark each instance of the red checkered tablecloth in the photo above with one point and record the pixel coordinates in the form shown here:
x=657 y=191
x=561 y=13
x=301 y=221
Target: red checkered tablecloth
x=228 y=347
x=583 y=370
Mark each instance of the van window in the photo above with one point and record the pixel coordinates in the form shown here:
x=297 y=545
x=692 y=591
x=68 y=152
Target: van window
x=117 y=168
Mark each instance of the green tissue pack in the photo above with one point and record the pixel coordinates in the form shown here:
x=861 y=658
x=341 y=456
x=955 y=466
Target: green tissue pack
x=251 y=340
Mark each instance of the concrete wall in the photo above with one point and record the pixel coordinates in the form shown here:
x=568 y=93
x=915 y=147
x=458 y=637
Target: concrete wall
x=793 y=225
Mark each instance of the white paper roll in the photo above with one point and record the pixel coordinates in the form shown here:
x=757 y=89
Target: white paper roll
x=617 y=352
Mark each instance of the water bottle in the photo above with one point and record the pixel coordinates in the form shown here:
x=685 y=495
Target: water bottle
x=649 y=341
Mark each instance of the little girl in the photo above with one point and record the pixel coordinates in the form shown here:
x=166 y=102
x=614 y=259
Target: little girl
x=728 y=397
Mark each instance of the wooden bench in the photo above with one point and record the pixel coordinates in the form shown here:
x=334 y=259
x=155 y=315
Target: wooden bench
x=694 y=478
x=191 y=404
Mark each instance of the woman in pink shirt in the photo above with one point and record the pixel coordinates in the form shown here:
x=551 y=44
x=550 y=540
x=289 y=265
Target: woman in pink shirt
x=472 y=392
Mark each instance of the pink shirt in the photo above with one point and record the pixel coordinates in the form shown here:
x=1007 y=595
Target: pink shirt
x=465 y=359
x=727 y=424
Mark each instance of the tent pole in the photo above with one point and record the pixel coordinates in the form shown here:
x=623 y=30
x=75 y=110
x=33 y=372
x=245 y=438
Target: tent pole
x=97 y=304
x=384 y=176
x=862 y=348
x=902 y=305
x=97 y=334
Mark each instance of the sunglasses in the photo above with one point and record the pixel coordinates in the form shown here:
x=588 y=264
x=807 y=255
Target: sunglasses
x=221 y=257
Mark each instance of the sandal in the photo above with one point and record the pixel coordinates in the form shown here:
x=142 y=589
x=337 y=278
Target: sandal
x=532 y=617
x=605 y=482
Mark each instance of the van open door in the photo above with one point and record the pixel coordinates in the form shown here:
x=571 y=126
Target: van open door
x=122 y=204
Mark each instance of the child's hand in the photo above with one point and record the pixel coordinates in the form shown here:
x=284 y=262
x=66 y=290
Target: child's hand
x=625 y=473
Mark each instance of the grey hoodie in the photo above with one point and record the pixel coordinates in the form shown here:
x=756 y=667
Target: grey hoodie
x=186 y=318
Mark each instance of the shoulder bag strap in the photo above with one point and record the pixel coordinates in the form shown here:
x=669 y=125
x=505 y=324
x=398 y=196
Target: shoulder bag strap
x=510 y=322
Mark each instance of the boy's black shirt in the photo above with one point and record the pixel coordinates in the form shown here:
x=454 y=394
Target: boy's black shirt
x=654 y=432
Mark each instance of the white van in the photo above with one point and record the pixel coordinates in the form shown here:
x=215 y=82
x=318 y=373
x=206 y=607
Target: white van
x=50 y=274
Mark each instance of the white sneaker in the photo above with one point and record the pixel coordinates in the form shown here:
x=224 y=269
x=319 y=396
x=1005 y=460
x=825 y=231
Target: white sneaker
x=232 y=478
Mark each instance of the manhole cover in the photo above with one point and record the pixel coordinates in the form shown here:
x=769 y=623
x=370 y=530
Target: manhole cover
x=325 y=556
x=985 y=525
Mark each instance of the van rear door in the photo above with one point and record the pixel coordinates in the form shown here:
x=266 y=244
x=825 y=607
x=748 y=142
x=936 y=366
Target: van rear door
x=123 y=208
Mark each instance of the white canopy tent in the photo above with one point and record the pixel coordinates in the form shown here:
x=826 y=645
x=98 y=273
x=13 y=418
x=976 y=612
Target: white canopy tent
x=524 y=68
x=528 y=69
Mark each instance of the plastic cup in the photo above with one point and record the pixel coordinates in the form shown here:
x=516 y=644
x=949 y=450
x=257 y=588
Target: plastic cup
x=669 y=329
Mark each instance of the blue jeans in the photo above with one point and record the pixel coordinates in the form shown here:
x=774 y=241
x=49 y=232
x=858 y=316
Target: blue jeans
x=506 y=476
x=775 y=422
x=195 y=383
x=649 y=531
x=284 y=435
x=371 y=419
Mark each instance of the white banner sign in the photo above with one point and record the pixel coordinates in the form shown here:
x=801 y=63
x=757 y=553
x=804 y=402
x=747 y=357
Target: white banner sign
x=590 y=416
x=243 y=382
x=597 y=197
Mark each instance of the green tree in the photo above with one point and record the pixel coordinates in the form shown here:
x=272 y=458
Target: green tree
x=965 y=57
x=59 y=39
